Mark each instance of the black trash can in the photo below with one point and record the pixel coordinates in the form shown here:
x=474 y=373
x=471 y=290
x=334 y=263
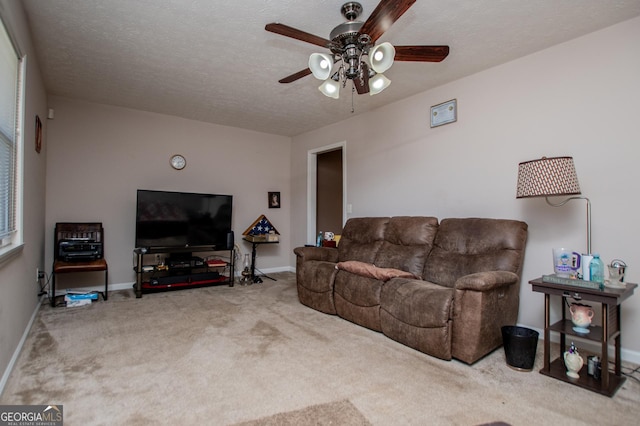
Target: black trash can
x=520 y=346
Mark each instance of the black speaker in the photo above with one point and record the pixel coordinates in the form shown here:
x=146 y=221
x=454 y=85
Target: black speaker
x=172 y=279
x=207 y=276
x=230 y=240
x=185 y=279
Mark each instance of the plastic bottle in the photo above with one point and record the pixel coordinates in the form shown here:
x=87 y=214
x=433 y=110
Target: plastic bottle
x=319 y=240
x=596 y=270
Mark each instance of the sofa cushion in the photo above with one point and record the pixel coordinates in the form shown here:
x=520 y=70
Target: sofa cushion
x=467 y=246
x=315 y=285
x=372 y=271
x=418 y=314
x=417 y=303
x=361 y=238
x=318 y=276
x=407 y=243
x=357 y=299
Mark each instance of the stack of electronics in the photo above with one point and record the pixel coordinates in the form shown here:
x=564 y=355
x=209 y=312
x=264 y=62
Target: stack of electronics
x=184 y=277
x=185 y=263
x=79 y=250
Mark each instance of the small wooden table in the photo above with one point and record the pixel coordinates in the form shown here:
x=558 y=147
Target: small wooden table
x=254 y=243
x=610 y=300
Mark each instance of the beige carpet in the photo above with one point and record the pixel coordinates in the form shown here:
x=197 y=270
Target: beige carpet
x=223 y=356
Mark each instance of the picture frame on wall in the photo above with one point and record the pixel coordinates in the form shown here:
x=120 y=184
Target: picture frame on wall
x=38 y=135
x=444 y=113
x=274 y=200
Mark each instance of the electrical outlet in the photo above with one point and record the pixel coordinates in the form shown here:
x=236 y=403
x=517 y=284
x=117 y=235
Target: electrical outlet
x=39 y=274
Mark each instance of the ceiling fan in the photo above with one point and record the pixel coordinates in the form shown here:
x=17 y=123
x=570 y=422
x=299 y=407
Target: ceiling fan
x=352 y=41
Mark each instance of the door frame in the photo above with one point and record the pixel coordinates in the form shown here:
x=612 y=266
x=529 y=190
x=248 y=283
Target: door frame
x=312 y=169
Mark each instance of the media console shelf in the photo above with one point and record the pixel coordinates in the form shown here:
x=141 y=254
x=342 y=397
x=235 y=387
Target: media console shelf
x=180 y=270
x=611 y=300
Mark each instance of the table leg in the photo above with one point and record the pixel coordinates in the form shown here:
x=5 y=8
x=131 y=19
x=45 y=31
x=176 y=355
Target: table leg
x=604 y=361
x=138 y=274
x=563 y=337
x=547 y=343
x=617 y=343
x=253 y=264
x=53 y=289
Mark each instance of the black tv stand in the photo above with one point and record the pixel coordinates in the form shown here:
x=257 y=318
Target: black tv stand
x=180 y=269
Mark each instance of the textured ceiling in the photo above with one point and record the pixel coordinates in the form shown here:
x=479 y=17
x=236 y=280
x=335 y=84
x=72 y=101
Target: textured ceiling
x=212 y=60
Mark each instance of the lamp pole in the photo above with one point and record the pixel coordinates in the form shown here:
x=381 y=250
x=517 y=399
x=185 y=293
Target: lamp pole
x=588 y=215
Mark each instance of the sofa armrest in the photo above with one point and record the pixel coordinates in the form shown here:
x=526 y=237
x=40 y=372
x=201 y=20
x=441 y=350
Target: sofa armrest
x=326 y=254
x=486 y=281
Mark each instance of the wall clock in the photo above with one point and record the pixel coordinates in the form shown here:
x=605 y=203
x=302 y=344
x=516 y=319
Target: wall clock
x=178 y=162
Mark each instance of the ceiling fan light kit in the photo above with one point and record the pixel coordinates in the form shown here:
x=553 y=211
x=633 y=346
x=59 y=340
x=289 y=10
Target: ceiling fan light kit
x=381 y=57
x=378 y=83
x=330 y=88
x=320 y=65
x=354 y=41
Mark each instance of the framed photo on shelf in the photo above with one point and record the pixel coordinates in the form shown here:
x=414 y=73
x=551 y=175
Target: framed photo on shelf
x=274 y=200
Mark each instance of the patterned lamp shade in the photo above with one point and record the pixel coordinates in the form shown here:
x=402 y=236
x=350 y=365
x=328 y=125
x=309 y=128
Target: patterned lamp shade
x=547 y=177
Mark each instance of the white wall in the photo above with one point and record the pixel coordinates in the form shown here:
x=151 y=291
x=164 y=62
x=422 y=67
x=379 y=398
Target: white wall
x=98 y=156
x=580 y=98
x=18 y=285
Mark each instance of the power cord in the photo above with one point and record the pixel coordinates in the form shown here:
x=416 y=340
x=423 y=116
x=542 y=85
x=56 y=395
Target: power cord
x=44 y=287
x=41 y=286
x=632 y=373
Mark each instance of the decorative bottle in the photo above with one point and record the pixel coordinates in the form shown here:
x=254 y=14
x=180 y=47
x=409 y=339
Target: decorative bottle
x=246 y=272
x=596 y=270
x=319 y=239
x=573 y=361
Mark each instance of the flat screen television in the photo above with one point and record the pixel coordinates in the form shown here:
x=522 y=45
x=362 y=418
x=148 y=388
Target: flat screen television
x=183 y=220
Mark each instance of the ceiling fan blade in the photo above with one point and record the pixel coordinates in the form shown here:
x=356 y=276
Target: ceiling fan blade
x=386 y=13
x=362 y=84
x=288 y=31
x=296 y=76
x=421 y=53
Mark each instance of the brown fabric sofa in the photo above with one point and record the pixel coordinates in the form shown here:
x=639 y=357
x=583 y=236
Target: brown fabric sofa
x=465 y=284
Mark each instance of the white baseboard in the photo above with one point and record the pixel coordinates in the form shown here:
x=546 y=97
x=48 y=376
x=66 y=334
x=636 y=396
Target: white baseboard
x=16 y=353
x=98 y=288
x=274 y=270
x=626 y=354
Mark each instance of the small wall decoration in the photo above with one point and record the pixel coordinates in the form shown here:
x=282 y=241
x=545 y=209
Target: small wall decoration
x=444 y=113
x=274 y=200
x=178 y=162
x=261 y=230
x=38 y=135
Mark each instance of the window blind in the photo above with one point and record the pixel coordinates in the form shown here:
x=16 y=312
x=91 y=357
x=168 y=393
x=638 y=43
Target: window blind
x=9 y=89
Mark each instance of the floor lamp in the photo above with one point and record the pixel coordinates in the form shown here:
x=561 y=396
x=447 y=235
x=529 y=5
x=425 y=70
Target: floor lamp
x=548 y=177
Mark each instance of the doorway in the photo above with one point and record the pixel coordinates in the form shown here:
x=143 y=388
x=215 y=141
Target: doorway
x=326 y=190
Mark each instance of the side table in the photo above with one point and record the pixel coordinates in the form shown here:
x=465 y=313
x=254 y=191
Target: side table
x=254 y=244
x=610 y=300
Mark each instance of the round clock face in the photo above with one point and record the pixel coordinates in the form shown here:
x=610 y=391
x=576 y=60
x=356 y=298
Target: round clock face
x=178 y=162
